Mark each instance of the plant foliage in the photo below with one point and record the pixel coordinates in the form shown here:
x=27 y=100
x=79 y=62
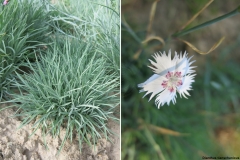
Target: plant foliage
x=22 y=29
x=70 y=87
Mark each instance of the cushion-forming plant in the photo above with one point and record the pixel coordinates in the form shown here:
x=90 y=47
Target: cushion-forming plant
x=70 y=87
x=22 y=29
x=97 y=21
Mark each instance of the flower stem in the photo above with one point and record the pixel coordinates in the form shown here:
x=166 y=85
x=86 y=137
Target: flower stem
x=186 y=31
x=136 y=38
x=155 y=145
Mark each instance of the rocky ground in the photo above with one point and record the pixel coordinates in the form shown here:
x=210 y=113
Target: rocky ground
x=15 y=144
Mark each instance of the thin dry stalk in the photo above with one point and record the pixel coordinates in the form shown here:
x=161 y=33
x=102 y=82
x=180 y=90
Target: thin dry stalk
x=195 y=16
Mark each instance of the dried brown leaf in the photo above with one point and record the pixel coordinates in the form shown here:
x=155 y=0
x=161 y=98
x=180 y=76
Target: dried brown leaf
x=137 y=54
x=201 y=52
x=166 y=131
x=151 y=17
x=160 y=130
x=154 y=38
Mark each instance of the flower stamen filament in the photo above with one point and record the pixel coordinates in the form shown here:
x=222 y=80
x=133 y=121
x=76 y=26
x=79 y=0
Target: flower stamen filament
x=173 y=81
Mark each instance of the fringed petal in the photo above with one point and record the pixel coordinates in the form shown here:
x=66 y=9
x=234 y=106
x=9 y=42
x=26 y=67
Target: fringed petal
x=171 y=75
x=165 y=97
x=163 y=62
x=186 y=86
x=152 y=85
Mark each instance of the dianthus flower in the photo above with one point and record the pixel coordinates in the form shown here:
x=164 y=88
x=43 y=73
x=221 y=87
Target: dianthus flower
x=171 y=76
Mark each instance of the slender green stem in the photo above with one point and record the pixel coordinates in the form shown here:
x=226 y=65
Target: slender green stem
x=132 y=33
x=155 y=145
x=230 y=14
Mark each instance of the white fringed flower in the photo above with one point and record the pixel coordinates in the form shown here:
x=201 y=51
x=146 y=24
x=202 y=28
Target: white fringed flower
x=171 y=76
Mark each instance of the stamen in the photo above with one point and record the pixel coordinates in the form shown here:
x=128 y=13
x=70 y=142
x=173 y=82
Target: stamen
x=173 y=81
x=164 y=84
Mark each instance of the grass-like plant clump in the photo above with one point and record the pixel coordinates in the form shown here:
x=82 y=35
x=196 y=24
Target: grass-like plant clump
x=70 y=87
x=96 y=21
x=71 y=61
x=22 y=29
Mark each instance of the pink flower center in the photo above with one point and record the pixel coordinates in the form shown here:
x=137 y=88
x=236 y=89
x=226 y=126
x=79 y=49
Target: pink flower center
x=173 y=81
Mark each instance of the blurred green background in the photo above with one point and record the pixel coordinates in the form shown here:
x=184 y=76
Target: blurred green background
x=205 y=124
